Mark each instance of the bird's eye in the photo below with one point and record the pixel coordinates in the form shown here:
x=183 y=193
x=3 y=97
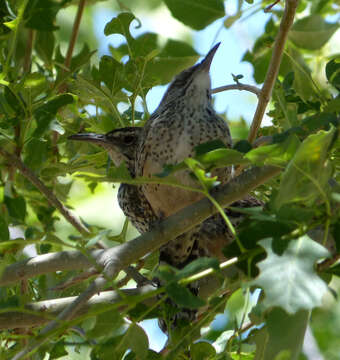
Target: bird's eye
x=128 y=139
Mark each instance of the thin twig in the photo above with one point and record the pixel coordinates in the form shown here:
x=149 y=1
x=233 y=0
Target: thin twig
x=242 y=87
x=51 y=198
x=39 y=313
x=274 y=66
x=328 y=263
x=76 y=280
x=73 y=39
x=269 y=7
x=134 y=274
x=28 y=51
x=67 y=64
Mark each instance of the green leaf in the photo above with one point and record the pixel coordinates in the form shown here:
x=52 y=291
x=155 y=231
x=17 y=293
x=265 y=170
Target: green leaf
x=120 y=173
x=306 y=175
x=45 y=113
x=321 y=120
x=222 y=158
x=206 y=181
x=202 y=351
x=42 y=15
x=143 y=45
x=197 y=266
x=285 y=334
x=136 y=340
x=277 y=154
x=120 y=25
x=106 y=323
x=80 y=59
x=235 y=305
x=333 y=72
x=16 y=207
x=4 y=232
x=183 y=297
x=312 y=32
x=196 y=13
x=174 y=58
x=303 y=82
x=111 y=73
x=289 y=280
x=36 y=153
x=44 y=46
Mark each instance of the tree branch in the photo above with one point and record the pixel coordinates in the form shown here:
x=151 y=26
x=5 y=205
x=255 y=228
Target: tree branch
x=44 y=264
x=274 y=66
x=73 y=39
x=238 y=86
x=116 y=259
x=51 y=198
x=28 y=51
x=120 y=257
x=40 y=312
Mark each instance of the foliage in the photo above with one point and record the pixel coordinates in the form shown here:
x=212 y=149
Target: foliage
x=48 y=93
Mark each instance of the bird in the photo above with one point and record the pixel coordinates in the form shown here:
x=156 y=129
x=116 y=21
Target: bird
x=184 y=119
x=207 y=239
x=121 y=146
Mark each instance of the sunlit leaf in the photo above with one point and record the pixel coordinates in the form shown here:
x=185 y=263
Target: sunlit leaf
x=202 y=351
x=45 y=113
x=307 y=173
x=277 y=154
x=120 y=25
x=312 y=32
x=289 y=280
x=4 y=232
x=16 y=207
x=183 y=297
x=196 y=13
x=136 y=339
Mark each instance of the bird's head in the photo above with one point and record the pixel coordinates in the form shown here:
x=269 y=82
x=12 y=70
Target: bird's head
x=193 y=82
x=119 y=143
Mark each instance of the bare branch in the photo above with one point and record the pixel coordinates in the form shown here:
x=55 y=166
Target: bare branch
x=51 y=198
x=39 y=313
x=28 y=51
x=44 y=264
x=120 y=257
x=238 y=86
x=274 y=66
x=73 y=39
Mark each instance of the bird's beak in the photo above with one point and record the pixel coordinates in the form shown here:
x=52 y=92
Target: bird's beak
x=98 y=139
x=206 y=62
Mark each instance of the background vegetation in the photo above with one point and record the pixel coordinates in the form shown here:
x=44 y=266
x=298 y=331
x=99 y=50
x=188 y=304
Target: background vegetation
x=53 y=84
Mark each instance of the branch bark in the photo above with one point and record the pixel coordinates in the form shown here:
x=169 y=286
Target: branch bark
x=73 y=39
x=46 y=309
x=51 y=198
x=238 y=86
x=274 y=66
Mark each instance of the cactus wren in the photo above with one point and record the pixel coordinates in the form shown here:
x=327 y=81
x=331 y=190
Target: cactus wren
x=207 y=239
x=121 y=147
x=184 y=119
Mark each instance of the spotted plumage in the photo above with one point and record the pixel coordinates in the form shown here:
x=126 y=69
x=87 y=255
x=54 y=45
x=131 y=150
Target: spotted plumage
x=184 y=119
